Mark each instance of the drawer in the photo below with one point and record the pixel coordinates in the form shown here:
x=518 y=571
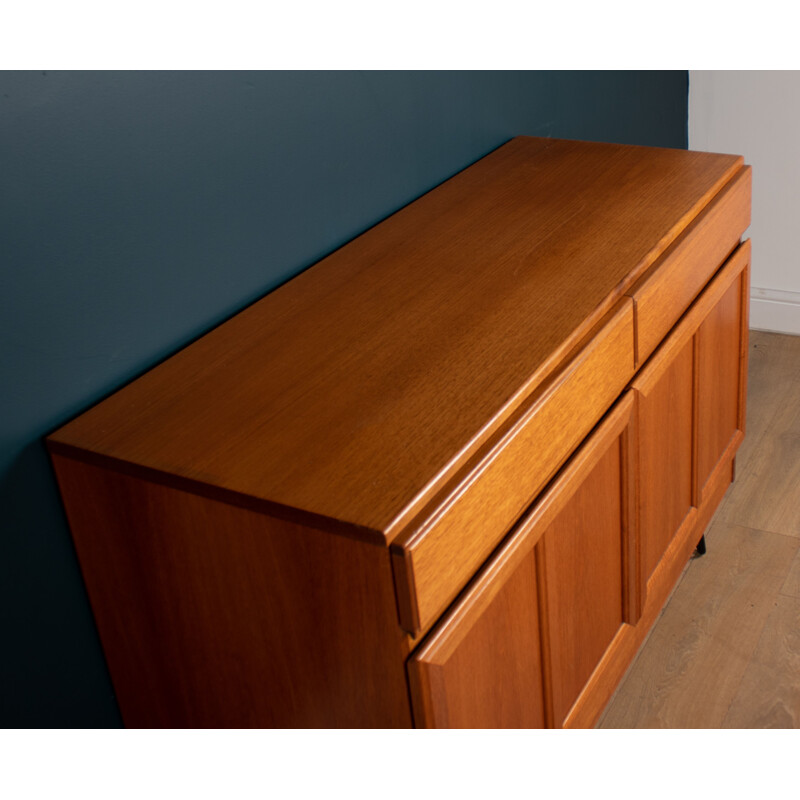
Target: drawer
x=453 y=536
x=667 y=289
x=524 y=644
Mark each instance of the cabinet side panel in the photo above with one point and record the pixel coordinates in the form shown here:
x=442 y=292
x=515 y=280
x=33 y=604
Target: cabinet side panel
x=216 y=616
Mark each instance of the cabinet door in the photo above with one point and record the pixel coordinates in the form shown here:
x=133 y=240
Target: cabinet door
x=482 y=666
x=721 y=358
x=665 y=400
x=690 y=402
x=519 y=646
x=589 y=576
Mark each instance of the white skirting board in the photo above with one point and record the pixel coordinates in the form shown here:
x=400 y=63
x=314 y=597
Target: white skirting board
x=774 y=310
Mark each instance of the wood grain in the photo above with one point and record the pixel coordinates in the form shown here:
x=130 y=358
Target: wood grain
x=690 y=670
x=769 y=694
x=584 y=588
x=433 y=562
x=492 y=677
x=665 y=450
x=718 y=366
x=791 y=586
x=708 y=346
x=666 y=291
x=773 y=380
x=768 y=493
x=619 y=656
x=634 y=580
x=735 y=272
x=667 y=403
x=216 y=616
x=770 y=488
x=414 y=393
x=744 y=345
x=584 y=585
x=434 y=661
x=762 y=697
x=348 y=396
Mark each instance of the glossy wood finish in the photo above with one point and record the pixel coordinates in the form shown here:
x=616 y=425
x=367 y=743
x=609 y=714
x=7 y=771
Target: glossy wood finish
x=581 y=570
x=457 y=673
x=683 y=439
x=659 y=587
x=435 y=561
x=335 y=507
x=731 y=616
x=346 y=398
x=217 y=616
x=489 y=673
x=663 y=389
x=665 y=401
x=719 y=373
x=666 y=291
x=715 y=332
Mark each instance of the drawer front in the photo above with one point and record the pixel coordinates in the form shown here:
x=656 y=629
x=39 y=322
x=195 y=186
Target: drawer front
x=669 y=287
x=522 y=642
x=436 y=559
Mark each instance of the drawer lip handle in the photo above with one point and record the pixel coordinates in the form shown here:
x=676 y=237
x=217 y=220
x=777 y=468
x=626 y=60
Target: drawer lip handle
x=597 y=373
x=664 y=292
x=439 y=643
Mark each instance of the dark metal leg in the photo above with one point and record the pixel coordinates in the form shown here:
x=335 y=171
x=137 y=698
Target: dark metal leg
x=700 y=550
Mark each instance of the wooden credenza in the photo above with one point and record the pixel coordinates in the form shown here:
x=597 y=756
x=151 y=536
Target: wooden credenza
x=449 y=475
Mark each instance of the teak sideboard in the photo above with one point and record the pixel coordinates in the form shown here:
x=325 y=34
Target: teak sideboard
x=449 y=475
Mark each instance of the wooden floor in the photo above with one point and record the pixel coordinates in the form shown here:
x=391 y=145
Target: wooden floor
x=725 y=652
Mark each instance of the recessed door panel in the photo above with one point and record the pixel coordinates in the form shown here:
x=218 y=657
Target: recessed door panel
x=718 y=343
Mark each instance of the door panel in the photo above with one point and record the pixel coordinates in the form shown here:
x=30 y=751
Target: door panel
x=491 y=676
x=690 y=399
x=531 y=628
x=665 y=451
x=519 y=645
x=582 y=563
x=718 y=344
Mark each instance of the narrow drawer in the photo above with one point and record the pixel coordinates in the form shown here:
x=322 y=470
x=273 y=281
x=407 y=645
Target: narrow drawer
x=454 y=535
x=671 y=284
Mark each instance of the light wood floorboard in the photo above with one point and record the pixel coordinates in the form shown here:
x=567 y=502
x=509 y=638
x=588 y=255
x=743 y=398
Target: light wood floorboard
x=726 y=650
x=769 y=694
x=791 y=586
x=774 y=377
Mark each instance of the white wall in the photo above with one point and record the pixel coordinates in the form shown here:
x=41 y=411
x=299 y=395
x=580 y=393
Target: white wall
x=757 y=114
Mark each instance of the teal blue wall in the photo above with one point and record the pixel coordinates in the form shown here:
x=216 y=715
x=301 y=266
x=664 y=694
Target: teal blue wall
x=139 y=209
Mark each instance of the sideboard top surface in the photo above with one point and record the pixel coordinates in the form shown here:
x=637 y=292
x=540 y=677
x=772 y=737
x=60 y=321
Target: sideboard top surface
x=347 y=393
